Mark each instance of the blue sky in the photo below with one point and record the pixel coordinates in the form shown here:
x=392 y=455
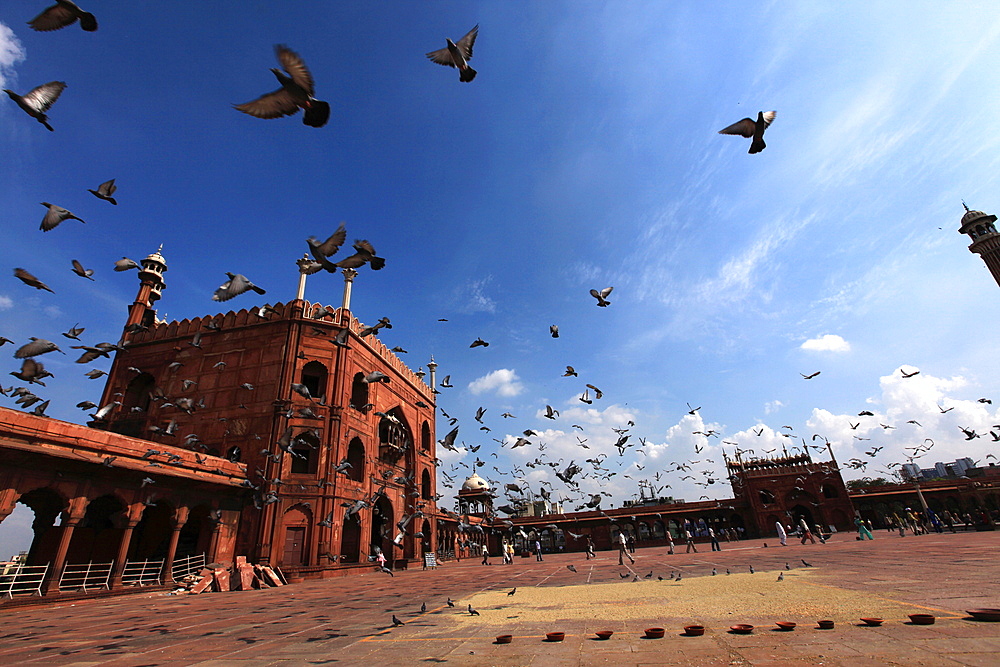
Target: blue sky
x=584 y=155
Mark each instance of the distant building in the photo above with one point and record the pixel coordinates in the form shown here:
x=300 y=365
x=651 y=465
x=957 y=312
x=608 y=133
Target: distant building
x=957 y=468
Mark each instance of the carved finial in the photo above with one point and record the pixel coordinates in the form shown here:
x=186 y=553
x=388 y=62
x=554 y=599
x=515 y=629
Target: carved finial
x=965 y=205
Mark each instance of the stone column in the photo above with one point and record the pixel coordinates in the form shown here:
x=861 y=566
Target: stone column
x=179 y=519
x=349 y=276
x=73 y=516
x=133 y=515
x=213 y=545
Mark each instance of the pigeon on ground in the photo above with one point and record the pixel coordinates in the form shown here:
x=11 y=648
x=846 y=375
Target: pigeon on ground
x=82 y=272
x=571 y=568
x=787 y=566
x=473 y=612
x=423 y=607
x=296 y=92
x=38 y=100
x=752 y=129
x=31 y=280
x=751 y=569
x=236 y=285
x=124 y=264
x=602 y=296
x=512 y=591
x=450 y=602
x=105 y=190
x=56 y=215
x=458 y=55
x=62 y=14
x=781 y=576
x=396 y=622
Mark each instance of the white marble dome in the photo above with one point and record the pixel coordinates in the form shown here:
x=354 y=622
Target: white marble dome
x=475 y=483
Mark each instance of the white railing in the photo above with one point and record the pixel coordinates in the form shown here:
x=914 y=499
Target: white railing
x=17 y=579
x=86 y=575
x=142 y=572
x=183 y=567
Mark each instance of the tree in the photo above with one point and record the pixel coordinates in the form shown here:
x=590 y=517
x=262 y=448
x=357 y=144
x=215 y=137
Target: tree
x=866 y=482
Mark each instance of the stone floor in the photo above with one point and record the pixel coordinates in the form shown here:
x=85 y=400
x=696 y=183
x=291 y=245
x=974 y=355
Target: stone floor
x=348 y=620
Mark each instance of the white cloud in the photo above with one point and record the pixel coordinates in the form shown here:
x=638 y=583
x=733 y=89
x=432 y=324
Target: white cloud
x=11 y=52
x=826 y=343
x=6 y=302
x=472 y=297
x=773 y=406
x=503 y=381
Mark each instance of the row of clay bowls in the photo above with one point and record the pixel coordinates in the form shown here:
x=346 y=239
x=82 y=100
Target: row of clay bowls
x=740 y=628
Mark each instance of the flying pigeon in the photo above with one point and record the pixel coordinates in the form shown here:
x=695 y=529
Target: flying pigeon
x=62 y=14
x=82 y=272
x=105 y=190
x=56 y=215
x=236 y=285
x=38 y=100
x=31 y=280
x=364 y=253
x=296 y=92
x=124 y=264
x=554 y=330
x=602 y=296
x=458 y=55
x=752 y=129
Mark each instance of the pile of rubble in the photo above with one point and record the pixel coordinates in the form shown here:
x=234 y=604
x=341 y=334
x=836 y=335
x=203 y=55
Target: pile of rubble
x=242 y=576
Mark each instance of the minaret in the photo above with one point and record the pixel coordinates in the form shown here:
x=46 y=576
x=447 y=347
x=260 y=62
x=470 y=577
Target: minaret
x=150 y=286
x=985 y=238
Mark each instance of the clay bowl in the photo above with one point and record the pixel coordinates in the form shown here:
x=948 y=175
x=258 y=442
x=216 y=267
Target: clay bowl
x=741 y=629
x=694 y=630
x=655 y=633
x=504 y=639
x=990 y=615
x=872 y=622
x=555 y=636
x=825 y=625
x=604 y=634
x=922 y=619
x=785 y=625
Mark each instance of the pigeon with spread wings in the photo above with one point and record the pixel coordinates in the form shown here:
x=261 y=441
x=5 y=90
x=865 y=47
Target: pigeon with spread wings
x=296 y=93
x=62 y=14
x=752 y=129
x=458 y=55
x=38 y=100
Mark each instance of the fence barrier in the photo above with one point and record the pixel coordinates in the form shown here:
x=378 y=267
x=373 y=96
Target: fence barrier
x=83 y=576
x=142 y=572
x=17 y=579
x=188 y=565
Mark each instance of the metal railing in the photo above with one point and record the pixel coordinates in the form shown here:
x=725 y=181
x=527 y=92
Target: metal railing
x=188 y=565
x=82 y=576
x=142 y=572
x=17 y=579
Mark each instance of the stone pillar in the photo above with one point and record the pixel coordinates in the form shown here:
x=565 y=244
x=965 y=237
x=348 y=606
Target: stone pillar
x=179 y=519
x=213 y=545
x=133 y=515
x=349 y=276
x=8 y=500
x=73 y=516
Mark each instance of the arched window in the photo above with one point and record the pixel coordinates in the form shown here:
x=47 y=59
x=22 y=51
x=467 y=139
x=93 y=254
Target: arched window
x=830 y=491
x=356 y=457
x=359 y=393
x=394 y=439
x=643 y=531
x=305 y=453
x=425 y=485
x=314 y=378
x=425 y=437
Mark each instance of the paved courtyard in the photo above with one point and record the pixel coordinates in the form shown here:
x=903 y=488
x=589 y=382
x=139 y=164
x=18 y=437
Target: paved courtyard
x=349 y=620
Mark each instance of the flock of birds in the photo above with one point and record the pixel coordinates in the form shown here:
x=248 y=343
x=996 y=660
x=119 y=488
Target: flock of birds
x=582 y=484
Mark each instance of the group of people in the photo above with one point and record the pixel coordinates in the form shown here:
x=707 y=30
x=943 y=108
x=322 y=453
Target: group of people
x=801 y=530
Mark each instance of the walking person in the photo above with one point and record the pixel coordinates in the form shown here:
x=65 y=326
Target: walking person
x=623 y=549
x=689 y=538
x=590 y=548
x=863 y=532
x=819 y=533
x=806 y=533
x=782 y=535
x=715 y=540
x=486 y=554
x=538 y=549
x=670 y=544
